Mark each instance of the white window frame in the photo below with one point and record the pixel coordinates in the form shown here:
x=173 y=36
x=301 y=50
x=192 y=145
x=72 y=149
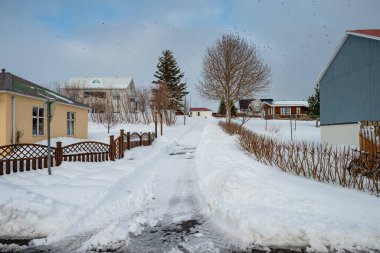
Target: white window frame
x=298 y=110
x=116 y=96
x=285 y=110
x=70 y=123
x=38 y=117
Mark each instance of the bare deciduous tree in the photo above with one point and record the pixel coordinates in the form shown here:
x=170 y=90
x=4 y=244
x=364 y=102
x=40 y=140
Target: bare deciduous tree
x=232 y=69
x=143 y=103
x=161 y=102
x=109 y=117
x=73 y=91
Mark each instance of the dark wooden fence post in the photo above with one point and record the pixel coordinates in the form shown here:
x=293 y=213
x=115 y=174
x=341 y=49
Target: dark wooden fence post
x=129 y=140
x=112 y=148
x=58 y=153
x=121 y=144
x=141 y=139
x=149 y=139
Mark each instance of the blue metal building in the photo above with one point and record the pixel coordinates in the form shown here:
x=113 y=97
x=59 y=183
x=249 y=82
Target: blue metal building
x=350 y=87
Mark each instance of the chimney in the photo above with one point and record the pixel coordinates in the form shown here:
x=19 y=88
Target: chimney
x=3 y=70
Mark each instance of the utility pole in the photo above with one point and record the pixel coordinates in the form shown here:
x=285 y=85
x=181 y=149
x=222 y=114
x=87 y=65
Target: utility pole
x=184 y=109
x=291 y=128
x=49 y=113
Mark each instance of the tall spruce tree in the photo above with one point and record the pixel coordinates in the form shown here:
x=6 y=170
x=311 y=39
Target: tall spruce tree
x=222 y=110
x=169 y=72
x=314 y=104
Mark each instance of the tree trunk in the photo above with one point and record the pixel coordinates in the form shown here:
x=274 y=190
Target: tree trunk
x=228 y=110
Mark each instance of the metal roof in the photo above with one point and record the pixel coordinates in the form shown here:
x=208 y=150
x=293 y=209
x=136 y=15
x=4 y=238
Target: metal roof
x=199 y=109
x=15 y=84
x=368 y=33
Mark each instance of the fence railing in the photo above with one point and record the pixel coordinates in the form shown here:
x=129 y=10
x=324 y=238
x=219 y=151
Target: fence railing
x=369 y=138
x=128 y=140
x=26 y=157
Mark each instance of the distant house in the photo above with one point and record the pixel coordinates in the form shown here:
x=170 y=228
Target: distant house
x=244 y=104
x=252 y=107
x=94 y=91
x=350 y=87
x=23 y=115
x=200 y=111
x=284 y=109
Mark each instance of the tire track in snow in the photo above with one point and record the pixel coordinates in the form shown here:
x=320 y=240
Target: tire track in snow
x=182 y=226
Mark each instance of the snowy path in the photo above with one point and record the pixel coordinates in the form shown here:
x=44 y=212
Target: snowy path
x=194 y=190
x=181 y=225
x=154 y=209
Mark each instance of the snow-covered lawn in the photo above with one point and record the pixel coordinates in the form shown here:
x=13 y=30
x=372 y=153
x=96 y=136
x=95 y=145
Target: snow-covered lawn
x=302 y=130
x=249 y=202
x=263 y=205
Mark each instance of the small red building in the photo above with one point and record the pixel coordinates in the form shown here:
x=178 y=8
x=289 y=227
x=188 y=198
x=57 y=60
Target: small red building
x=285 y=109
x=200 y=111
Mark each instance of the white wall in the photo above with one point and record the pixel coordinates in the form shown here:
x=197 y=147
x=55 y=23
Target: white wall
x=346 y=134
x=202 y=113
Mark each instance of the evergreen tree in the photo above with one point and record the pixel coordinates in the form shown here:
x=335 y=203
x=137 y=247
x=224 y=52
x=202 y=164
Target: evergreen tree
x=169 y=72
x=314 y=104
x=222 y=109
x=233 y=110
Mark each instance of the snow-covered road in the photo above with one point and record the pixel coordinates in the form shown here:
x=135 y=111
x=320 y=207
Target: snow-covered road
x=194 y=190
x=153 y=208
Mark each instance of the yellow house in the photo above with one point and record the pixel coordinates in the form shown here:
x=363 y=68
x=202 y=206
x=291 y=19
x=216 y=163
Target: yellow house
x=23 y=112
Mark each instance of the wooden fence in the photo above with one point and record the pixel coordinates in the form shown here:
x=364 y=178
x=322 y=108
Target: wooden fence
x=369 y=138
x=26 y=157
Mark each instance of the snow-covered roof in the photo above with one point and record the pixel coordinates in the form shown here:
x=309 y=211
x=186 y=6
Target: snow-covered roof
x=102 y=82
x=288 y=103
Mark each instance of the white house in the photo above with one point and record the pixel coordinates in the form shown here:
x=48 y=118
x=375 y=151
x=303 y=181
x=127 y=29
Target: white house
x=93 y=90
x=200 y=111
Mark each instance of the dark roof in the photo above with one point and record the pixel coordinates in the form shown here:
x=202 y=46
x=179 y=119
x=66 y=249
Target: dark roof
x=244 y=103
x=199 y=109
x=12 y=83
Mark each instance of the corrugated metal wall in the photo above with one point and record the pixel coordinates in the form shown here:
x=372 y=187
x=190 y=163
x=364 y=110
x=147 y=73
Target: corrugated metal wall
x=350 y=88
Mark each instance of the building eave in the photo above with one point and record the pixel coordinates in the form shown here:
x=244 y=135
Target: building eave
x=363 y=35
x=337 y=49
x=42 y=99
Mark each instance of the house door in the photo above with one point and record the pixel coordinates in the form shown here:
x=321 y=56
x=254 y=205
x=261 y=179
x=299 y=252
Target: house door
x=198 y=113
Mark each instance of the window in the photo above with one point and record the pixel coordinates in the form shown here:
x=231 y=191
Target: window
x=116 y=96
x=96 y=94
x=285 y=111
x=70 y=123
x=38 y=120
x=298 y=110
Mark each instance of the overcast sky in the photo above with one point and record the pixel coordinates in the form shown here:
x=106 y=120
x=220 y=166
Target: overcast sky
x=52 y=41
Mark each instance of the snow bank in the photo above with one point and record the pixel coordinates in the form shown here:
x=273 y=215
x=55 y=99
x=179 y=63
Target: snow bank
x=262 y=205
x=78 y=197
x=302 y=130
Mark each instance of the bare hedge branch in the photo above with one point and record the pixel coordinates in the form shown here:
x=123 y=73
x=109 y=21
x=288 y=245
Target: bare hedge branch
x=319 y=162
